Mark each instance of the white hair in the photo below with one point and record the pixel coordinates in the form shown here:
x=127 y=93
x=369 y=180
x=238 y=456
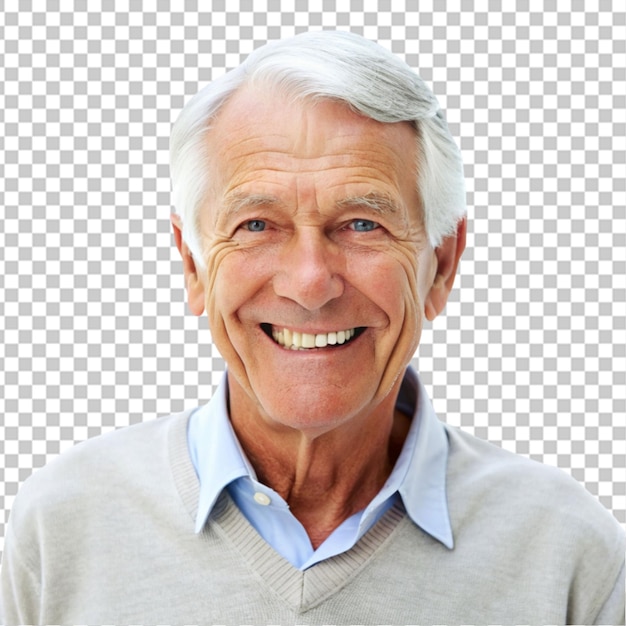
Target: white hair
x=333 y=65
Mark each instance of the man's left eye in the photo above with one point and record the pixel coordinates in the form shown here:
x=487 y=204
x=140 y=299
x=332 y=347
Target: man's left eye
x=363 y=226
x=255 y=226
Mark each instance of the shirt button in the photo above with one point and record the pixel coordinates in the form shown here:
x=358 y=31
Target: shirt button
x=261 y=498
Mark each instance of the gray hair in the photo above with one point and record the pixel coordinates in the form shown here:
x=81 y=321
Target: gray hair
x=326 y=65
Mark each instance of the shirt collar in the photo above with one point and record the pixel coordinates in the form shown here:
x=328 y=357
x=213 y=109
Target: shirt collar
x=419 y=475
x=423 y=490
x=215 y=451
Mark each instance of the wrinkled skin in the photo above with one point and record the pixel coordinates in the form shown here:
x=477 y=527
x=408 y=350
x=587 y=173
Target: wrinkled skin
x=283 y=246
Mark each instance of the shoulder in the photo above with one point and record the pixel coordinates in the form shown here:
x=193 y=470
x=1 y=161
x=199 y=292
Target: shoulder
x=114 y=463
x=497 y=475
x=528 y=501
x=534 y=516
x=108 y=453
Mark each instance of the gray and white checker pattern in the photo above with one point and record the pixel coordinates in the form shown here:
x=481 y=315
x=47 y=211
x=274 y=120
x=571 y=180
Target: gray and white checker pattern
x=531 y=353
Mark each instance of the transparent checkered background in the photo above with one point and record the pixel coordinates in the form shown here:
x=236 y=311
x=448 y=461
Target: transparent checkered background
x=531 y=353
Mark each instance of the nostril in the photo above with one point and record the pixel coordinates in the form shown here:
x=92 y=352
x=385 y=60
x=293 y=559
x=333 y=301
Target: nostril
x=311 y=292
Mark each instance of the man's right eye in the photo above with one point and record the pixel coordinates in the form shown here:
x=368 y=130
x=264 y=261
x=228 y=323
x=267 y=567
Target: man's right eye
x=254 y=226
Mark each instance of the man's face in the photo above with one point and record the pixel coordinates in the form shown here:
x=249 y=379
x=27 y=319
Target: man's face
x=318 y=263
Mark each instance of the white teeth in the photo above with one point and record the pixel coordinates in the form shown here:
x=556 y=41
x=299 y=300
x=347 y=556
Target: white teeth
x=321 y=341
x=295 y=340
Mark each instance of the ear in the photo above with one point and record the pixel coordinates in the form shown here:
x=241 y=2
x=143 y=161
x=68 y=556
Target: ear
x=193 y=282
x=448 y=256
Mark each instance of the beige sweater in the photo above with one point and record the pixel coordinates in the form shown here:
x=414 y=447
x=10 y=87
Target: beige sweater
x=105 y=535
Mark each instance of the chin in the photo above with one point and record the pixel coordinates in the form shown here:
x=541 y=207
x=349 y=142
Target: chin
x=315 y=410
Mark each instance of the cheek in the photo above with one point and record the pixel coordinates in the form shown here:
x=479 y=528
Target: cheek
x=413 y=316
x=389 y=279
x=224 y=294
x=389 y=286
x=403 y=278
x=407 y=312
x=234 y=282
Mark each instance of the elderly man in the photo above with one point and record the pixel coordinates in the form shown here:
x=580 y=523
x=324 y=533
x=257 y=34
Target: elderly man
x=320 y=219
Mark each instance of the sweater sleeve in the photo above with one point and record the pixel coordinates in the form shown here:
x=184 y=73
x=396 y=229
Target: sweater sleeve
x=19 y=587
x=613 y=610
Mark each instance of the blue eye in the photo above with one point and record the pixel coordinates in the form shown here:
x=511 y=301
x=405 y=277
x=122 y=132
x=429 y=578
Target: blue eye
x=363 y=226
x=255 y=226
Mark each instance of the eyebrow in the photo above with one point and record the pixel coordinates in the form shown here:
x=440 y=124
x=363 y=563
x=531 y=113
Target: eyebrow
x=237 y=202
x=379 y=203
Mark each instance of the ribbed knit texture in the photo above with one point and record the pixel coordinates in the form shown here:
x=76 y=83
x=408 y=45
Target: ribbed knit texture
x=105 y=534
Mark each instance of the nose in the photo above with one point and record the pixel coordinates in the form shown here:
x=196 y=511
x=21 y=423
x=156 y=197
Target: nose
x=308 y=271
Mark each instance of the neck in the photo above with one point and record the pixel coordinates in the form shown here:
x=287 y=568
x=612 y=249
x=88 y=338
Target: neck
x=325 y=478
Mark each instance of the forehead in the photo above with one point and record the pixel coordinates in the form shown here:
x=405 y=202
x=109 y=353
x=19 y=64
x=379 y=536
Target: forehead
x=263 y=142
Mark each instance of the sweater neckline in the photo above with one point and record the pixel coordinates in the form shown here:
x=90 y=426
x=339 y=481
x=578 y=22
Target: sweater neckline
x=300 y=590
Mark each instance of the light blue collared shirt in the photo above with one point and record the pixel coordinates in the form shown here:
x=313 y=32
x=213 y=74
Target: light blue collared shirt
x=418 y=479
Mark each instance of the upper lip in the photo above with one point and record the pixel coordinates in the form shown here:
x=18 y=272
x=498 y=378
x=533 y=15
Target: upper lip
x=267 y=326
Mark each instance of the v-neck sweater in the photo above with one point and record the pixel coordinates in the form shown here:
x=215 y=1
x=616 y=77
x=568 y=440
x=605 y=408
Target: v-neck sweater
x=417 y=479
x=105 y=534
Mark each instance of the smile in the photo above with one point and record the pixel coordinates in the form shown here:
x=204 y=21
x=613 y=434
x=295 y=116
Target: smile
x=294 y=340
